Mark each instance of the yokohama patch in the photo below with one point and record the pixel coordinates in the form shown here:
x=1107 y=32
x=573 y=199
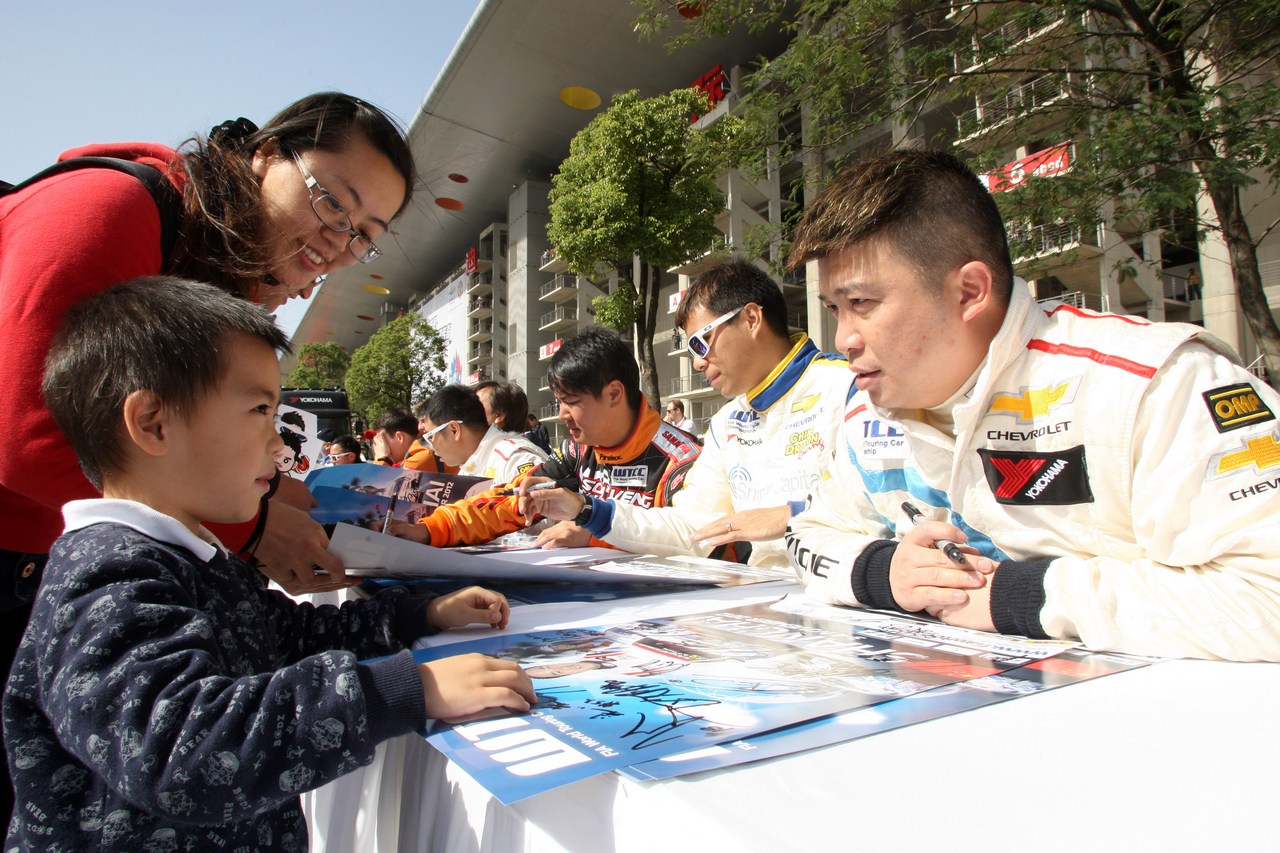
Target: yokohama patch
x=1038 y=479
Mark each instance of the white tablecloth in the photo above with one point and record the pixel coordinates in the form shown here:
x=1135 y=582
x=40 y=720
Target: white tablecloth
x=1177 y=756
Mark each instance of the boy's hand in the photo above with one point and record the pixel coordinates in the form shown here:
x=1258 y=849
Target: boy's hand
x=922 y=577
x=472 y=687
x=405 y=530
x=471 y=606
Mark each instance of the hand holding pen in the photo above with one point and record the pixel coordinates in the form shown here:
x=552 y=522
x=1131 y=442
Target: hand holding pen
x=929 y=570
x=540 y=496
x=946 y=546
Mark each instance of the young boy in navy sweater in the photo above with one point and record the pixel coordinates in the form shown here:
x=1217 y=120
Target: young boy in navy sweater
x=163 y=698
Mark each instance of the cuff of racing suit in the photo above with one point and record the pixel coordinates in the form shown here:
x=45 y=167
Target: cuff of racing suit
x=871 y=576
x=600 y=521
x=1017 y=597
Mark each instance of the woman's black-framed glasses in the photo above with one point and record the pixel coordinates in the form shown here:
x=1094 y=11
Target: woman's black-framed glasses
x=335 y=217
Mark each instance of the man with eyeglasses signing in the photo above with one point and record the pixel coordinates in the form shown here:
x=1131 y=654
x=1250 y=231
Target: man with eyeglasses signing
x=344 y=450
x=764 y=450
x=456 y=428
x=618 y=448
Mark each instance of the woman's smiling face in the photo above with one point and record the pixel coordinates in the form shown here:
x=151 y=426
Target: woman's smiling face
x=360 y=178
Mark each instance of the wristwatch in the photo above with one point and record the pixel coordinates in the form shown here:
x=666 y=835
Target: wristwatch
x=584 y=514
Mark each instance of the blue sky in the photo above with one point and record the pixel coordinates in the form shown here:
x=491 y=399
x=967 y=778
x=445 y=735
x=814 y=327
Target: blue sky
x=81 y=71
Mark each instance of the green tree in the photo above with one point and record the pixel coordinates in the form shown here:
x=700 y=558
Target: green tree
x=639 y=183
x=1169 y=104
x=320 y=365
x=402 y=362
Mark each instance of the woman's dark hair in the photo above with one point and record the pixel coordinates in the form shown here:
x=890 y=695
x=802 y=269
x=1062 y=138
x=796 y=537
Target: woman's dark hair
x=220 y=240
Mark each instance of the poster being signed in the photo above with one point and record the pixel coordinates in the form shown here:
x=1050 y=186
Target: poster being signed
x=1070 y=667
x=610 y=697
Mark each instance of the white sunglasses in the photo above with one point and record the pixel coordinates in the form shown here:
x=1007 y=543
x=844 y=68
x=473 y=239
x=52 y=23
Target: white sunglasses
x=698 y=343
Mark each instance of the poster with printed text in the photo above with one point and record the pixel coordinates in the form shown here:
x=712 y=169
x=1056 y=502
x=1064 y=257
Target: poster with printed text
x=611 y=697
x=1070 y=667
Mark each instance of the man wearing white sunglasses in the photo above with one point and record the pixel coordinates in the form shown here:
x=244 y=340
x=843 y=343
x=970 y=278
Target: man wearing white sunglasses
x=763 y=450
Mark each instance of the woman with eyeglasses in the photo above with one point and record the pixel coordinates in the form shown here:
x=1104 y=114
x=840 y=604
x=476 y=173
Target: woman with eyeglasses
x=263 y=213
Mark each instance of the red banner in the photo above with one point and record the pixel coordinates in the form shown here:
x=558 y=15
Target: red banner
x=1042 y=164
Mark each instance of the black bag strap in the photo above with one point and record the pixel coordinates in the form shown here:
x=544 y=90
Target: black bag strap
x=163 y=192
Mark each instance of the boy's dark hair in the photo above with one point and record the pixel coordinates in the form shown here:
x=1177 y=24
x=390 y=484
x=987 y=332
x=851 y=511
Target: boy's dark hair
x=344 y=444
x=397 y=420
x=732 y=284
x=160 y=334
x=509 y=403
x=455 y=403
x=587 y=363
x=928 y=207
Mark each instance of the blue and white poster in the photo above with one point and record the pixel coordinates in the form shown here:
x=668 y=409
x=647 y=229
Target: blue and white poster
x=1070 y=667
x=610 y=697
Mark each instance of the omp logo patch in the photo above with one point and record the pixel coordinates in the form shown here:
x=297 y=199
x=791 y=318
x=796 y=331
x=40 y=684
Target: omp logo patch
x=629 y=475
x=804 y=404
x=1029 y=403
x=1236 y=406
x=1038 y=479
x=1256 y=456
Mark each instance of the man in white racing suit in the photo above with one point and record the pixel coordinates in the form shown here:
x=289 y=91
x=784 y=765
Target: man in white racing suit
x=762 y=451
x=1107 y=478
x=456 y=428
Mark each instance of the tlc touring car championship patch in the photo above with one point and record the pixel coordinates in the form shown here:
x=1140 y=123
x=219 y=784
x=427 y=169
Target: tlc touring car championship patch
x=1236 y=406
x=1026 y=478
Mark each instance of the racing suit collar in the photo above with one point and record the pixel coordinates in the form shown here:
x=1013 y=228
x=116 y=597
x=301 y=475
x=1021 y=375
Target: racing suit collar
x=642 y=432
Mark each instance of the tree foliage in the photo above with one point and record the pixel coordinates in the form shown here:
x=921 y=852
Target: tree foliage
x=1167 y=102
x=319 y=365
x=640 y=180
x=403 y=362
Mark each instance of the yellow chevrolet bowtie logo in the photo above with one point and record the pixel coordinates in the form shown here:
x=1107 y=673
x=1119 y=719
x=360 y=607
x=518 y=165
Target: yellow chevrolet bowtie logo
x=1262 y=453
x=804 y=404
x=1032 y=403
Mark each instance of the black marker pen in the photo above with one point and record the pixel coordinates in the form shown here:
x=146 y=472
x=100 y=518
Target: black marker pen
x=946 y=546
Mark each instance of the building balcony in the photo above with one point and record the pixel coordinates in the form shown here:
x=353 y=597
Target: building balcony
x=544 y=383
x=1036 y=242
x=1033 y=96
x=564 y=317
x=480 y=330
x=549 y=412
x=720 y=250
x=484 y=374
x=559 y=289
x=676 y=345
x=480 y=306
x=481 y=284
x=480 y=353
x=1078 y=299
x=1008 y=40
x=550 y=263
x=694 y=383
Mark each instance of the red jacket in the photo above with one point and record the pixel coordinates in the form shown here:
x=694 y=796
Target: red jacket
x=62 y=240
